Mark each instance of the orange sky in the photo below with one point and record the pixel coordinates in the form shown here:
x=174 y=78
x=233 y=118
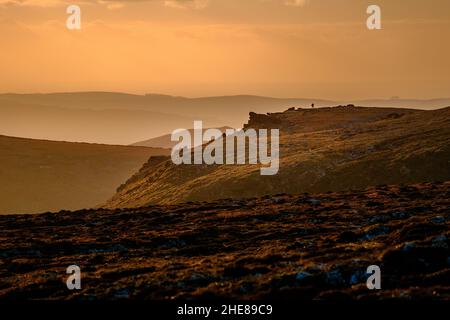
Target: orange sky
x=284 y=48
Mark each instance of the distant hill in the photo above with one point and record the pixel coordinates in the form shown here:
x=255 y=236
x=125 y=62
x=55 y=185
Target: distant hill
x=119 y=118
x=328 y=149
x=39 y=175
x=109 y=126
x=165 y=141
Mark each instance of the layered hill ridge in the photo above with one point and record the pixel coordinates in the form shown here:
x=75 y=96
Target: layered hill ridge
x=327 y=149
x=120 y=118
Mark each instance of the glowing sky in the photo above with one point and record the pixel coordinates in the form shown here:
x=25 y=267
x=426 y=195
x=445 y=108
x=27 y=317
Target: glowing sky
x=284 y=48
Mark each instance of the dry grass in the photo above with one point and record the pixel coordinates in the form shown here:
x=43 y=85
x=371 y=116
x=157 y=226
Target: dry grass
x=321 y=150
x=282 y=247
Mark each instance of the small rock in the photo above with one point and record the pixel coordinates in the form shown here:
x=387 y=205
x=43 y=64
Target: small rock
x=302 y=275
x=358 y=277
x=399 y=215
x=314 y=202
x=438 y=219
x=123 y=294
x=440 y=242
x=408 y=246
x=334 y=277
x=375 y=232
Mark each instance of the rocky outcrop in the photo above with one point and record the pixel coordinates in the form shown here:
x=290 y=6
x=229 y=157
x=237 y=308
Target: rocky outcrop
x=262 y=121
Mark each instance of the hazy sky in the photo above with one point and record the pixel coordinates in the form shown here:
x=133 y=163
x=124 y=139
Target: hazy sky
x=284 y=48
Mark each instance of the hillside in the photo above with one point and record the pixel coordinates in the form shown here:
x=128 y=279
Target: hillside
x=165 y=141
x=327 y=149
x=119 y=118
x=39 y=175
x=299 y=247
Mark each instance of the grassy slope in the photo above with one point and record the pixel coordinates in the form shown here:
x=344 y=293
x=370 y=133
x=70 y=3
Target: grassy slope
x=165 y=141
x=39 y=175
x=321 y=150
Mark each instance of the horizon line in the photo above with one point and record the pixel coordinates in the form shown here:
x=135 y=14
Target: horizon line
x=224 y=96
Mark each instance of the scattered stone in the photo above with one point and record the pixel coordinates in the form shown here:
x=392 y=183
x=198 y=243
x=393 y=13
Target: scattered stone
x=358 y=277
x=302 y=275
x=314 y=202
x=248 y=250
x=438 y=219
x=335 y=277
x=440 y=241
x=123 y=294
